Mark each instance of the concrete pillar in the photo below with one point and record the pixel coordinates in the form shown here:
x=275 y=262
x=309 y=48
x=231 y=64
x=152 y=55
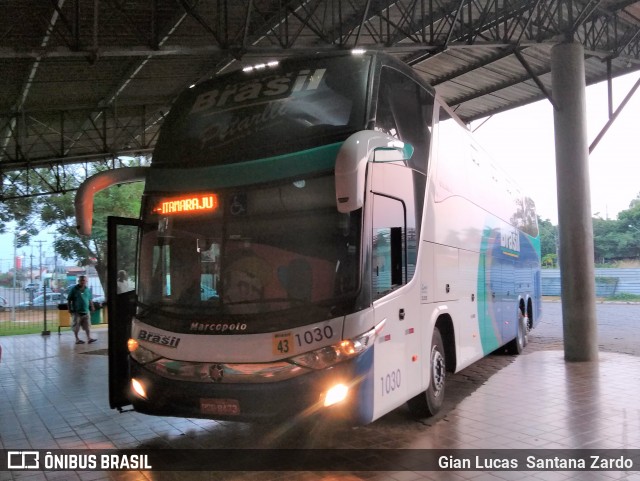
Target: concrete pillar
x=577 y=270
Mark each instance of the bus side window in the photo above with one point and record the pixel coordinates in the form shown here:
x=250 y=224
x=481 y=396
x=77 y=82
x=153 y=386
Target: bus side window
x=404 y=110
x=389 y=247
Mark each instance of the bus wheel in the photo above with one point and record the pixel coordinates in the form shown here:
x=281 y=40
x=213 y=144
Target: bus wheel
x=517 y=345
x=430 y=402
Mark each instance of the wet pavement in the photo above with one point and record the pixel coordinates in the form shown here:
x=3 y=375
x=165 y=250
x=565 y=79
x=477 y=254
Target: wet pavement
x=53 y=395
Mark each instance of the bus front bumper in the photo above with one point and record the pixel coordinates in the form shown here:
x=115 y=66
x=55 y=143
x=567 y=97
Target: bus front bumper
x=300 y=396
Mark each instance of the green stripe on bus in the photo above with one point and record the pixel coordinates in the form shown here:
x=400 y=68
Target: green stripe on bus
x=245 y=173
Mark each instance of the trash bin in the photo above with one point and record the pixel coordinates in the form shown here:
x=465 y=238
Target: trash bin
x=95 y=314
x=64 y=317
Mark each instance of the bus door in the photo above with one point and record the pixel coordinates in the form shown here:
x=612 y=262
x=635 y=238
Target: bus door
x=392 y=267
x=122 y=238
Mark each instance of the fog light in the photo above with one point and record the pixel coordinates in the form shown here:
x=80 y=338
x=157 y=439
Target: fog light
x=132 y=345
x=335 y=395
x=138 y=388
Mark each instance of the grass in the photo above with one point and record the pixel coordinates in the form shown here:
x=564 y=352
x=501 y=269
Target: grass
x=14 y=331
x=31 y=322
x=9 y=328
x=624 y=297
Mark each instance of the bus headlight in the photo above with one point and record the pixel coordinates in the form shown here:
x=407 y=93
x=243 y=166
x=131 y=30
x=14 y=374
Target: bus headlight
x=141 y=354
x=330 y=355
x=138 y=388
x=336 y=394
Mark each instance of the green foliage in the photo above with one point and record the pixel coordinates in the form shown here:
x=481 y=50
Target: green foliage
x=613 y=239
x=549 y=260
x=548 y=239
x=620 y=238
x=120 y=201
x=6 y=279
x=606 y=280
x=625 y=297
x=56 y=212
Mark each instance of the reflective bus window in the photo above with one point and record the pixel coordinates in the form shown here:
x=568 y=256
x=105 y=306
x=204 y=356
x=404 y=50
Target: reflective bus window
x=389 y=250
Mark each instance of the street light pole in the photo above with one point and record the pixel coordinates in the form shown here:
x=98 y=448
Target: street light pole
x=15 y=271
x=15 y=274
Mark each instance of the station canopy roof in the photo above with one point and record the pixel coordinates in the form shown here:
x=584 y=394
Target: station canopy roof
x=91 y=80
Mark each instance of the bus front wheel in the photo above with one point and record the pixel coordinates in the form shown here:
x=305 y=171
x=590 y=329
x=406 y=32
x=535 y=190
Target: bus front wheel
x=430 y=402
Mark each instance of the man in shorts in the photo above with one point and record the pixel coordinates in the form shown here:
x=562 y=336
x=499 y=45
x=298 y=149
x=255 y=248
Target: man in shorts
x=80 y=305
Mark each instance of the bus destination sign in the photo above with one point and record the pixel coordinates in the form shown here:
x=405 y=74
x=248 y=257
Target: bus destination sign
x=187 y=204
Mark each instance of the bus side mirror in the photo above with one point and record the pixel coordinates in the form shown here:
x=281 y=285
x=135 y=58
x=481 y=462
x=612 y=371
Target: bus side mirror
x=393 y=154
x=351 y=164
x=94 y=184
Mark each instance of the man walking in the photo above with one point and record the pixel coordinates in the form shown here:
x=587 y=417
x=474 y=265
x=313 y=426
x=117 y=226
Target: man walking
x=80 y=304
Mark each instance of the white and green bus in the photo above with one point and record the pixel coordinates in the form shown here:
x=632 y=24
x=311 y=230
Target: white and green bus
x=317 y=235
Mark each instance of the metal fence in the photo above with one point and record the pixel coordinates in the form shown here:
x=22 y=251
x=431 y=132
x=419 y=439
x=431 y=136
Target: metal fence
x=23 y=312
x=609 y=282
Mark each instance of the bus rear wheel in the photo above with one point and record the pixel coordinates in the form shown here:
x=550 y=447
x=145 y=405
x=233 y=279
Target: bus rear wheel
x=517 y=345
x=430 y=402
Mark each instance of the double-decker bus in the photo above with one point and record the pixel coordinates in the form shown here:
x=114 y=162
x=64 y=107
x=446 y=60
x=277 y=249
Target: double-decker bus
x=317 y=235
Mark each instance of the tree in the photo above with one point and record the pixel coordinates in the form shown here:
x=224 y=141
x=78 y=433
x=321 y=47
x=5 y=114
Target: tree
x=57 y=211
x=629 y=225
x=631 y=216
x=548 y=240
x=549 y=260
x=123 y=200
x=606 y=242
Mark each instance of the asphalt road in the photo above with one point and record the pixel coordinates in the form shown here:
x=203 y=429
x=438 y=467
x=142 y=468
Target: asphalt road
x=618 y=328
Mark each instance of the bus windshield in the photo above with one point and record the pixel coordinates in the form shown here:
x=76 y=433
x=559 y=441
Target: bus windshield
x=268 y=111
x=252 y=251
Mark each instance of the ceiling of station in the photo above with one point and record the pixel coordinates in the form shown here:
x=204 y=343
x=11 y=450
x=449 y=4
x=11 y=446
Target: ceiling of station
x=91 y=80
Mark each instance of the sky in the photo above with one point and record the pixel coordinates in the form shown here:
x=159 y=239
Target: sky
x=521 y=141
x=6 y=250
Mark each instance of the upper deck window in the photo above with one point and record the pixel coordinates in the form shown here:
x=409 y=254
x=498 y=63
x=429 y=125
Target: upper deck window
x=264 y=112
x=405 y=111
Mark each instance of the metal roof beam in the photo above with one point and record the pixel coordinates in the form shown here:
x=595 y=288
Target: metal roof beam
x=615 y=114
x=501 y=53
x=44 y=137
x=497 y=87
x=534 y=76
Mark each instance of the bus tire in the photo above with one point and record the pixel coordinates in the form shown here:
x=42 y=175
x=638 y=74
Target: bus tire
x=517 y=345
x=430 y=402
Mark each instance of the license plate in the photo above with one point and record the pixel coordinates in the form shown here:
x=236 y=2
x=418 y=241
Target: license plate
x=221 y=407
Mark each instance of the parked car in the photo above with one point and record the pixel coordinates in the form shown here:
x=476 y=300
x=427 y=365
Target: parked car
x=99 y=301
x=3 y=304
x=32 y=287
x=52 y=300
